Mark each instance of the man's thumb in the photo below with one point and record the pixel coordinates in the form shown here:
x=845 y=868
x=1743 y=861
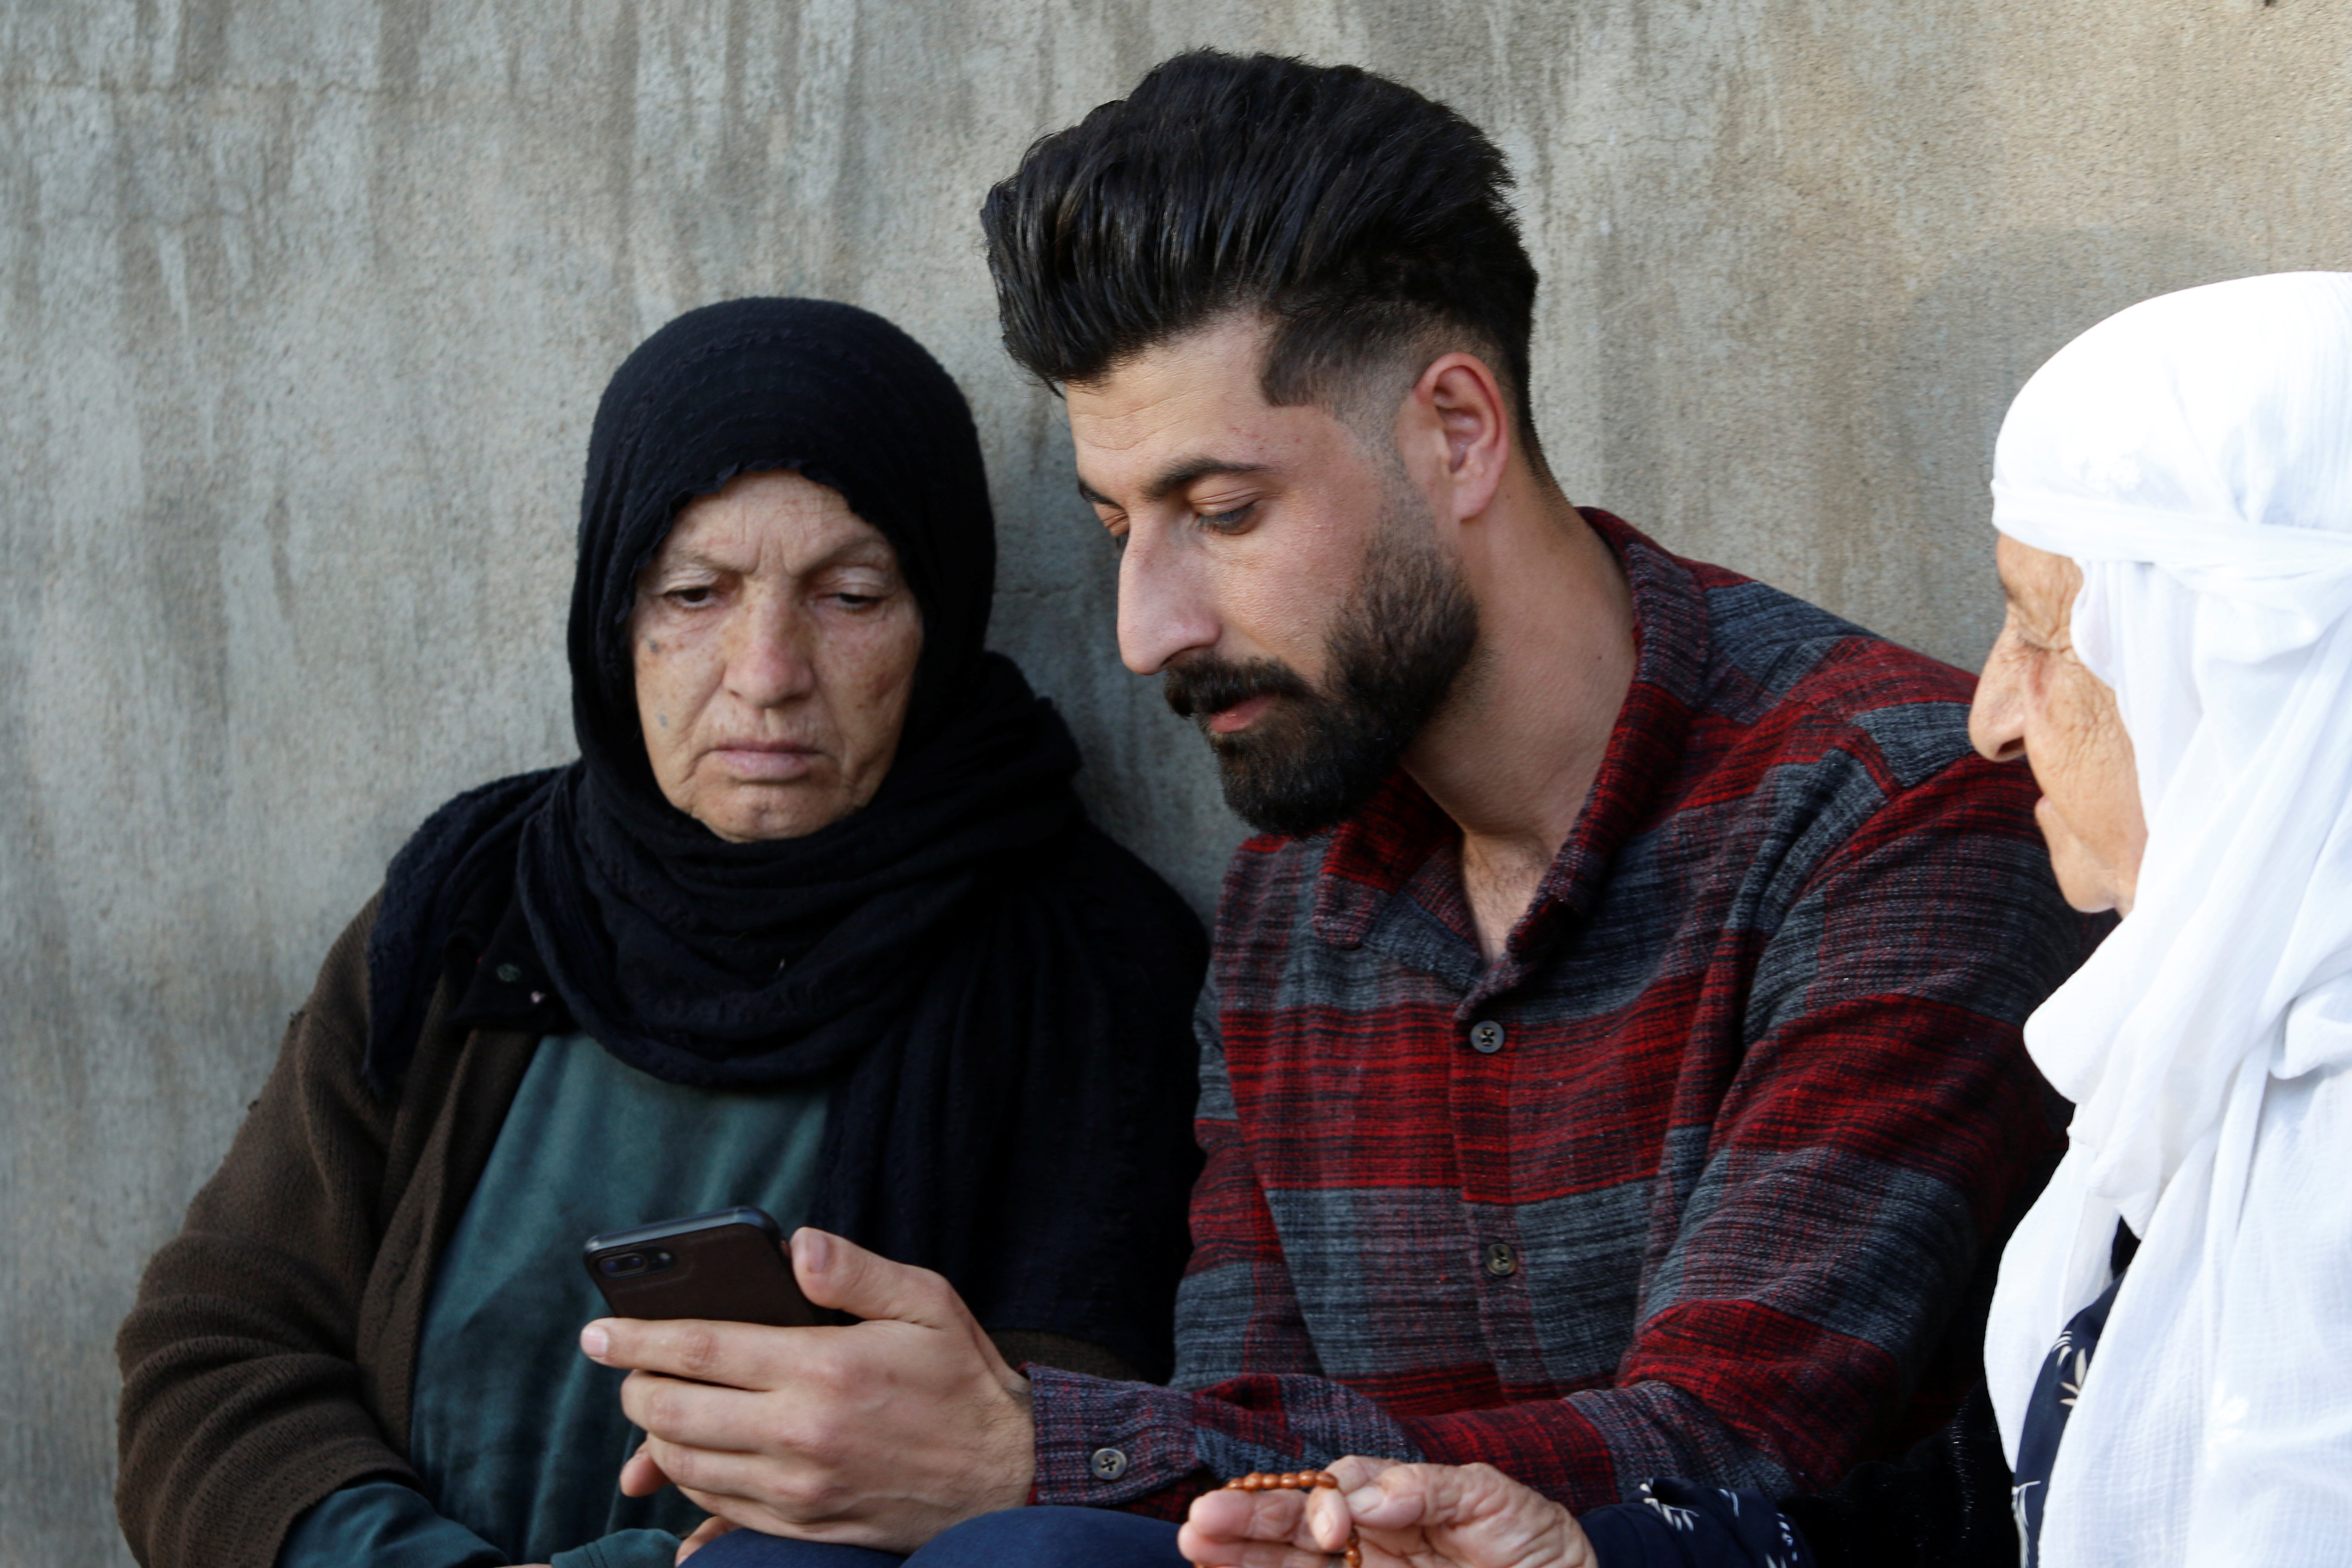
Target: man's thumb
x=838 y=1273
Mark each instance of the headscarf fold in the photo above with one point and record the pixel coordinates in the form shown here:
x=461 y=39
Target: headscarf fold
x=997 y=994
x=2193 y=455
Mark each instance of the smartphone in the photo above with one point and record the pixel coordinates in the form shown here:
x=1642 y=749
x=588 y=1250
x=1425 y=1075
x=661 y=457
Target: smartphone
x=728 y=1266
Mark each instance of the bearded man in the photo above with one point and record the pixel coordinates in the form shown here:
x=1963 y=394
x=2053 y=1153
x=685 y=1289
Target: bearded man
x=1610 y=1057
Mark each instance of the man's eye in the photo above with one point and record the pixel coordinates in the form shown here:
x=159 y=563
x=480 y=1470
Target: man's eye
x=856 y=601
x=1227 y=521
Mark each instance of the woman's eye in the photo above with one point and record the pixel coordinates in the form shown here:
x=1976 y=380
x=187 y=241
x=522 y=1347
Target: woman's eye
x=856 y=601
x=690 y=598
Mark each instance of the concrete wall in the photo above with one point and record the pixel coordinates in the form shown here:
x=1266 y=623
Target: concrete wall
x=306 y=304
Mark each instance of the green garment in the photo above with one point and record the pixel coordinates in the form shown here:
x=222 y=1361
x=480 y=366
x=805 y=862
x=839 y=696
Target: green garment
x=518 y=1437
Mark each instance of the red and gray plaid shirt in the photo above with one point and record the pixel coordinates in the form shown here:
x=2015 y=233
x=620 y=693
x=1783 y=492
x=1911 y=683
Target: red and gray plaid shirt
x=1704 y=1176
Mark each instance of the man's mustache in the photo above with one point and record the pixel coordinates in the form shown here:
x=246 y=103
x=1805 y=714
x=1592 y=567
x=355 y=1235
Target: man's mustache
x=1205 y=684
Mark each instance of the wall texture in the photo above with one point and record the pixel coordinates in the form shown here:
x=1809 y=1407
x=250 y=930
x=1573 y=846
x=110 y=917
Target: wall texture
x=305 y=304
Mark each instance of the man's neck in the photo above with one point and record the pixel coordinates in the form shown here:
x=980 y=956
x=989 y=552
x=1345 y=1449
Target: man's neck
x=1513 y=755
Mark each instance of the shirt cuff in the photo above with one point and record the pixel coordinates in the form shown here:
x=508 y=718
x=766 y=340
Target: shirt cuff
x=386 y=1525
x=1101 y=1443
x=1145 y=1448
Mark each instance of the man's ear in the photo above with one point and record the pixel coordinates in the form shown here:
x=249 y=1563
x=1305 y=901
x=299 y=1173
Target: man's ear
x=1457 y=408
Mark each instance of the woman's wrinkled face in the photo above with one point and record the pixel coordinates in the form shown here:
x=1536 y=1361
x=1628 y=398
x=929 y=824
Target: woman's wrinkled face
x=2037 y=699
x=775 y=646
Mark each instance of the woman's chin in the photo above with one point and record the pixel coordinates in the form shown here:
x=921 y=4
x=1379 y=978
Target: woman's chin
x=762 y=813
x=2087 y=887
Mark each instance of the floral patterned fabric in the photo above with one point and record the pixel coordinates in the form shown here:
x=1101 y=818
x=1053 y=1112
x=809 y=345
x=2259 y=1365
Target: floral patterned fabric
x=2064 y=1372
x=1682 y=1524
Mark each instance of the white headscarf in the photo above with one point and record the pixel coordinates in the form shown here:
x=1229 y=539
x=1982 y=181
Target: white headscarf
x=2194 y=455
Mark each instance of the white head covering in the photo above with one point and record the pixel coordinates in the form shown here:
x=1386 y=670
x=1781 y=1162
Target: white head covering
x=2194 y=455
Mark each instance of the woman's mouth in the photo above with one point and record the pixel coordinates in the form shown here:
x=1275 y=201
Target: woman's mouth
x=765 y=762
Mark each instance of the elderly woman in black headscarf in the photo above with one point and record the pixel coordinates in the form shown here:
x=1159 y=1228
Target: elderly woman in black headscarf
x=815 y=923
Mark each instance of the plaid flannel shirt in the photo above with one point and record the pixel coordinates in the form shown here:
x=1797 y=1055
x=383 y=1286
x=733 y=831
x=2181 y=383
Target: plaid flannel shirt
x=1704 y=1176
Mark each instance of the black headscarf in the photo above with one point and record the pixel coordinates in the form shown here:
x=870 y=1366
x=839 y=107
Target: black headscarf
x=989 y=984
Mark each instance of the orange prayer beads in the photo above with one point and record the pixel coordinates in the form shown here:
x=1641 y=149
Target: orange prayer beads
x=1297 y=1482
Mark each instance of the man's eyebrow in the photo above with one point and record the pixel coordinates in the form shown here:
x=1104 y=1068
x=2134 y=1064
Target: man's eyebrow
x=1180 y=476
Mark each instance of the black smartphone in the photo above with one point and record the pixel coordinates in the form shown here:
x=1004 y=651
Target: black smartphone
x=728 y=1266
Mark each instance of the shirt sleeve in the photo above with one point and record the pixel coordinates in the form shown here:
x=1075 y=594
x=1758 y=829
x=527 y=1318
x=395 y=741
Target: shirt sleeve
x=383 y=1524
x=242 y=1400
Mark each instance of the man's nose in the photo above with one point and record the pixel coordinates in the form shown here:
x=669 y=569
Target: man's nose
x=768 y=656
x=1165 y=608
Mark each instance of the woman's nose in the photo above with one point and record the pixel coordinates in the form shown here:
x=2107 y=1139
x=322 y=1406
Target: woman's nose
x=768 y=661
x=1997 y=716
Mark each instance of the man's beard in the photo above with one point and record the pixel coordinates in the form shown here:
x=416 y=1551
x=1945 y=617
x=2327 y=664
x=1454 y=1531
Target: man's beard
x=1397 y=647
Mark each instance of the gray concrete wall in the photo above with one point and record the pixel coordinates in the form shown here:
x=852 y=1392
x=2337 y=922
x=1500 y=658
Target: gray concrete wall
x=304 y=305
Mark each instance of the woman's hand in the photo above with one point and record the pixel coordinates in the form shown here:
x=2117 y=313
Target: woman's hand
x=1405 y=1516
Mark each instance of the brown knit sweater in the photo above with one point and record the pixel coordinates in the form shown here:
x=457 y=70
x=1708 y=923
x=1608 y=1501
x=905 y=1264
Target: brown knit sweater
x=268 y=1358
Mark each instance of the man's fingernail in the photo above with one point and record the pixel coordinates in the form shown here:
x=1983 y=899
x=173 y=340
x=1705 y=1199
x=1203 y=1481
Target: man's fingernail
x=817 y=1250
x=596 y=1342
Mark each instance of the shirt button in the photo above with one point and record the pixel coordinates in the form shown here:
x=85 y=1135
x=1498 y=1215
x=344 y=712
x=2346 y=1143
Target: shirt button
x=1108 y=1464
x=1499 y=1259
x=508 y=973
x=1486 y=1036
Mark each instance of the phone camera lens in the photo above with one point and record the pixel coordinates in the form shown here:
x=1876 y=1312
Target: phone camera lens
x=660 y=1258
x=618 y=1265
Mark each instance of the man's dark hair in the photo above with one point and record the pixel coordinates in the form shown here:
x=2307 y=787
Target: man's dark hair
x=1366 y=220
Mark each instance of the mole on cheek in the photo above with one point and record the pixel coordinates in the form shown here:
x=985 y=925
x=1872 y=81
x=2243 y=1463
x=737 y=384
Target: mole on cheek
x=662 y=720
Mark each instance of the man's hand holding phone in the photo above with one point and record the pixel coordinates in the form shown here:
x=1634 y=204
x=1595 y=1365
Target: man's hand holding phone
x=881 y=1433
